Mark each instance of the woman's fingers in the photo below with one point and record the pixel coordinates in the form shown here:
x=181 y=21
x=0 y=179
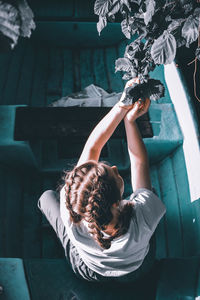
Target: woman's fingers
x=132 y=81
x=141 y=107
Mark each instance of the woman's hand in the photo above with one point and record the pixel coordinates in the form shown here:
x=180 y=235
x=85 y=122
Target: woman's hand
x=139 y=108
x=128 y=84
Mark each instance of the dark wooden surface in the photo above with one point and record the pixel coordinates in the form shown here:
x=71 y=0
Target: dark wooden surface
x=69 y=122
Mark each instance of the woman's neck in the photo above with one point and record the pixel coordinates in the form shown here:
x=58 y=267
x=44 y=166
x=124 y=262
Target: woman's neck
x=111 y=227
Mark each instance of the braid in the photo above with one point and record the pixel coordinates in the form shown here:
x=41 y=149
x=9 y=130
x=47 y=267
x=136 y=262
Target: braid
x=90 y=195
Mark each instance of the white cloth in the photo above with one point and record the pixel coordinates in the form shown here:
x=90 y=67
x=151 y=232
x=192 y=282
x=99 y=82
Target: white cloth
x=90 y=96
x=128 y=251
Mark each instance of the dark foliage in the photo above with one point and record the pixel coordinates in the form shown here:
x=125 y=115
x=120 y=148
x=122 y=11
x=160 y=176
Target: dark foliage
x=161 y=27
x=16 y=19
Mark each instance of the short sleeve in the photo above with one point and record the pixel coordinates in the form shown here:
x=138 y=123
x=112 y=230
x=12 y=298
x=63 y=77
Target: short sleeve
x=63 y=210
x=148 y=206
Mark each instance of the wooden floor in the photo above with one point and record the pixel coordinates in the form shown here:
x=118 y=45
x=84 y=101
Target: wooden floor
x=24 y=231
x=35 y=75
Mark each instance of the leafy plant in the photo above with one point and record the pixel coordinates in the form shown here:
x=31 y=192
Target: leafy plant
x=16 y=19
x=161 y=27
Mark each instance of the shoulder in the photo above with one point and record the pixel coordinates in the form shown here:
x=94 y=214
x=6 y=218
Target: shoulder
x=148 y=206
x=143 y=196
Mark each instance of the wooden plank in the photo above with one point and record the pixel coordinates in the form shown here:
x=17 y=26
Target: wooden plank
x=76 y=66
x=85 y=9
x=14 y=72
x=121 y=48
x=68 y=76
x=161 y=242
x=42 y=10
x=13 y=213
x=32 y=216
x=2 y=212
x=55 y=75
x=38 y=93
x=26 y=75
x=114 y=79
x=86 y=68
x=5 y=60
x=196 y=223
x=190 y=237
x=49 y=152
x=170 y=198
x=100 y=76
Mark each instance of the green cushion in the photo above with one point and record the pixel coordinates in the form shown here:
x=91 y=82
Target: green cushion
x=12 y=279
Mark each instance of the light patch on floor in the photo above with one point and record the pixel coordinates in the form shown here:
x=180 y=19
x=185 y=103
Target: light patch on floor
x=186 y=118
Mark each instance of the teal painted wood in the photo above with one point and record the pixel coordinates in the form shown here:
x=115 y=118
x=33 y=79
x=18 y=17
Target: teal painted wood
x=2 y=211
x=26 y=75
x=13 y=213
x=68 y=76
x=99 y=69
x=190 y=235
x=158 y=73
x=38 y=95
x=178 y=279
x=196 y=221
x=45 y=9
x=170 y=198
x=121 y=48
x=31 y=216
x=13 y=279
x=59 y=282
x=114 y=79
x=76 y=66
x=86 y=68
x=49 y=152
x=85 y=9
x=55 y=75
x=5 y=61
x=11 y=87
x=161 y=243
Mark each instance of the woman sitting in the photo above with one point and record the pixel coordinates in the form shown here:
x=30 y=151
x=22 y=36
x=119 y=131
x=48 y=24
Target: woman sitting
x=106 y=237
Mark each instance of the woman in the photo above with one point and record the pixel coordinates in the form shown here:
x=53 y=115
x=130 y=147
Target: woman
x=104 y=236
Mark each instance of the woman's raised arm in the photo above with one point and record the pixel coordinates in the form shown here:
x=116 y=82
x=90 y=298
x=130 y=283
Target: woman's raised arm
x=101 y=133
x=140 y=176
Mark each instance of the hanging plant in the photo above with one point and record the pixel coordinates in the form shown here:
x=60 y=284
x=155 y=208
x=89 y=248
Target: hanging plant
x=161 y=27
x=16 y=19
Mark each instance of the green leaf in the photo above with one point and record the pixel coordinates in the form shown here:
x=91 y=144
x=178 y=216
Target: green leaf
x=163 y=50
x=197 y=53
x=101 y=24
x=174 y=25
x=123 y=64
x=150 y=10
x=9 y=23
x=101 y=7
x=126 y=29
x=114 y=8
x=125 y=2
x=26 y=15
x=152 y=89
x=190 y=30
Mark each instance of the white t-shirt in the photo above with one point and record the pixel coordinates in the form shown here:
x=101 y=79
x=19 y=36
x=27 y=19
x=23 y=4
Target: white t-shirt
x=128 y=251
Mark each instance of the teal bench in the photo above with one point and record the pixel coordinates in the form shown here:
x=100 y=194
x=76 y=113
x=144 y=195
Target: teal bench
x=52 y=279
